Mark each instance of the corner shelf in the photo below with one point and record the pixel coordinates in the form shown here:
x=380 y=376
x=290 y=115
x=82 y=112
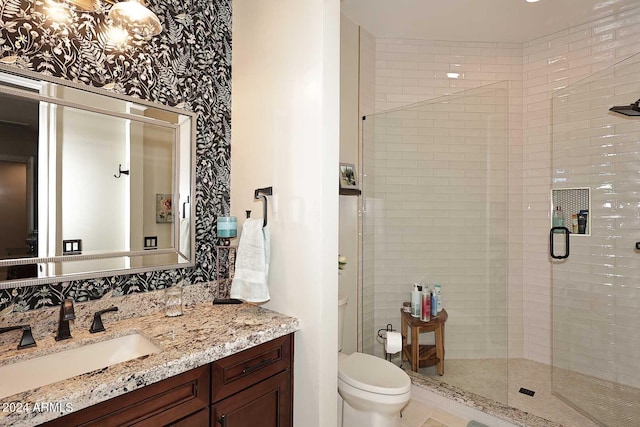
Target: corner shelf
x=350 y=192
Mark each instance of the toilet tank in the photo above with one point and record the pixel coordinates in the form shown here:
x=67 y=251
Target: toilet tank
x=342 y=305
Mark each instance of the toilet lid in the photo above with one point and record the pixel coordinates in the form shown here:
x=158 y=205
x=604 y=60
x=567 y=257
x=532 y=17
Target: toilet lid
x=373 y=374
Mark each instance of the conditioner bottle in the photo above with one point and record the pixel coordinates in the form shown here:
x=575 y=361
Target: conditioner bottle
x=438 y=290
x=425 y=316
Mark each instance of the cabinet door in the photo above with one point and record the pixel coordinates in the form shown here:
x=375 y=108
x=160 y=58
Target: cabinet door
x=266 y=404
x=199 y=419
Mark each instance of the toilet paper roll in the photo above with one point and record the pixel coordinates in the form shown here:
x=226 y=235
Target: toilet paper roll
x=393 y=343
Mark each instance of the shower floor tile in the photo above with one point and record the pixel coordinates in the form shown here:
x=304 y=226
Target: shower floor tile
x=486 y=377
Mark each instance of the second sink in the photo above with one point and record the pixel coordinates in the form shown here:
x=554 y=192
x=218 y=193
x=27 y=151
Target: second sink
x=48 y=369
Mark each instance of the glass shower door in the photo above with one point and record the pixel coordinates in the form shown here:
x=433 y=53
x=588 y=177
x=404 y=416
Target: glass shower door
x=596 y=289
x=435 y=204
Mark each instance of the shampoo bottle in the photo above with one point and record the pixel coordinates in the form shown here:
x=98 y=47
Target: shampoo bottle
x=415 y=301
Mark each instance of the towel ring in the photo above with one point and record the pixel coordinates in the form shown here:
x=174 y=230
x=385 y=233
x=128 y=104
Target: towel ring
x=263 y=193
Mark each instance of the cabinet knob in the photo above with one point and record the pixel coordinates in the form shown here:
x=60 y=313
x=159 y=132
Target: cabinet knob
x=222 y=420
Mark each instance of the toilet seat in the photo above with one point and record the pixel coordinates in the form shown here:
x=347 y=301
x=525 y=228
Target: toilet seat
x=373 y=374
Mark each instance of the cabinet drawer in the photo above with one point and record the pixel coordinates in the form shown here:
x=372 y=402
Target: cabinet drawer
x=242 y=370
x=158 y=404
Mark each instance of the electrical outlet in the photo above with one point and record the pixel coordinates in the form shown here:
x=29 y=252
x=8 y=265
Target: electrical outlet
x=150 y=242
x=72 y=247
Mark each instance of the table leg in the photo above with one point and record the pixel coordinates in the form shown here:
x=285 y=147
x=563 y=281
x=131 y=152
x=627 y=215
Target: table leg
x=440 y=348
x=403 y=332
x=415 y=348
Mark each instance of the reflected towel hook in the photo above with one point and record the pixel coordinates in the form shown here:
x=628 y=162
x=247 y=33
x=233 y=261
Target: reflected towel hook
x=263 y=192
x=121 y=172
x=184 y=207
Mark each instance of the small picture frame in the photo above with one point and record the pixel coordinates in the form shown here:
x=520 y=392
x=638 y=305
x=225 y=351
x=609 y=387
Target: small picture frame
x=164 y=208
x=348 y=176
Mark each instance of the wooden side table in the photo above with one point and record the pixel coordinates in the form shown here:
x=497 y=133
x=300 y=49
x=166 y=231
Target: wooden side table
x=422 y=356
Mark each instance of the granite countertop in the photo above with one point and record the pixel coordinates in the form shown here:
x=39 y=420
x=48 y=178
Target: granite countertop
x=204 y=333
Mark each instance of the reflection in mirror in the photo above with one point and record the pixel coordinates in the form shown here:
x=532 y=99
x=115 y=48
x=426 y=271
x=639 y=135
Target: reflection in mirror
x=91 y=183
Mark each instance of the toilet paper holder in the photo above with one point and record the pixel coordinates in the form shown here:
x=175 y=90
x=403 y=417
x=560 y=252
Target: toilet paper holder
x=382 y=334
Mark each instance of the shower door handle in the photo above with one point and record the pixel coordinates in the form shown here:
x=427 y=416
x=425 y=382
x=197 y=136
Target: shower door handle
x=559 y=230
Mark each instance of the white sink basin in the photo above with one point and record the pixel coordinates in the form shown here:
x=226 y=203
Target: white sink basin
x=48 y=369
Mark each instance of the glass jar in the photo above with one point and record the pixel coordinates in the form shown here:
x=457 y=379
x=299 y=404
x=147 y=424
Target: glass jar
x=173 y=301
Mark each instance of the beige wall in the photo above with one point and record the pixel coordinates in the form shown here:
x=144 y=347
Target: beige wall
x=285 y=120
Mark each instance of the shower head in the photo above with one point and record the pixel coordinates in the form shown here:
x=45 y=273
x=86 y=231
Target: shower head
x=627 y=110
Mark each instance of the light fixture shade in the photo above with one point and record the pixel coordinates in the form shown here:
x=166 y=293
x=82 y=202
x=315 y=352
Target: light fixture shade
x=134 y=16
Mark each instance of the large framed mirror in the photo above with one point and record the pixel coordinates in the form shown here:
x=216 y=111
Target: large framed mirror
x=92 y=183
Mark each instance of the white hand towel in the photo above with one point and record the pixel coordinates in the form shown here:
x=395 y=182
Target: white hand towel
x=252 y=263
x=185 y=236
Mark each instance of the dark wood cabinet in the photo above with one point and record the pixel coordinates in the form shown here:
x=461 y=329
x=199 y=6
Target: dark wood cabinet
x=266 y=404
x=254 y=387
x=199 y=419
x=250 y=388
x=159 y=404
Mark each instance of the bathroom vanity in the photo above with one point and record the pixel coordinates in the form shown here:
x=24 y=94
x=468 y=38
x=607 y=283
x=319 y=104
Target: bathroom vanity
x=218 y=365
x=252 y=387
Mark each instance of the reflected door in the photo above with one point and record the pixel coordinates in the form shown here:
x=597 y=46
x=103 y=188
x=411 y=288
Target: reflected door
x=13 y=209
x=88 y=166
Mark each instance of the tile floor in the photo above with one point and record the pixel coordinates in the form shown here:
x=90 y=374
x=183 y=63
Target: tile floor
x=486 y=377
x=417 y=414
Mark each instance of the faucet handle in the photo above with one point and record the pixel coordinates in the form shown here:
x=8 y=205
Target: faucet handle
x=27 y=340
x=97 y=325
x=27 y=337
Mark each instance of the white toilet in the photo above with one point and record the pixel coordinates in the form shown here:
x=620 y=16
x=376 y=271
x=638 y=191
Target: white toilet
x=372 y=391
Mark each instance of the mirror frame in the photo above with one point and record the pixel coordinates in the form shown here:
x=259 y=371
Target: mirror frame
x=189 y=261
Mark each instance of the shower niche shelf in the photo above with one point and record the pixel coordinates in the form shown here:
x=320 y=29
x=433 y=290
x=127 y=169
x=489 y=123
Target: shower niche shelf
x=350 y=192
x=572 y=201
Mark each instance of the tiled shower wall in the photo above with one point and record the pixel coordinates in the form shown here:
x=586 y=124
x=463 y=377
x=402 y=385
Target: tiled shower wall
x=409 y=71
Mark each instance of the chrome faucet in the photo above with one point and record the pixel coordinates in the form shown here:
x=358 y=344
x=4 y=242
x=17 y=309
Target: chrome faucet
x=66 y=314
x=27 y=338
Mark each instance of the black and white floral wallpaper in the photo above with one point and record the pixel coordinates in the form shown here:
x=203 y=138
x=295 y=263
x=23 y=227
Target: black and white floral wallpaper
x=187 y=65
